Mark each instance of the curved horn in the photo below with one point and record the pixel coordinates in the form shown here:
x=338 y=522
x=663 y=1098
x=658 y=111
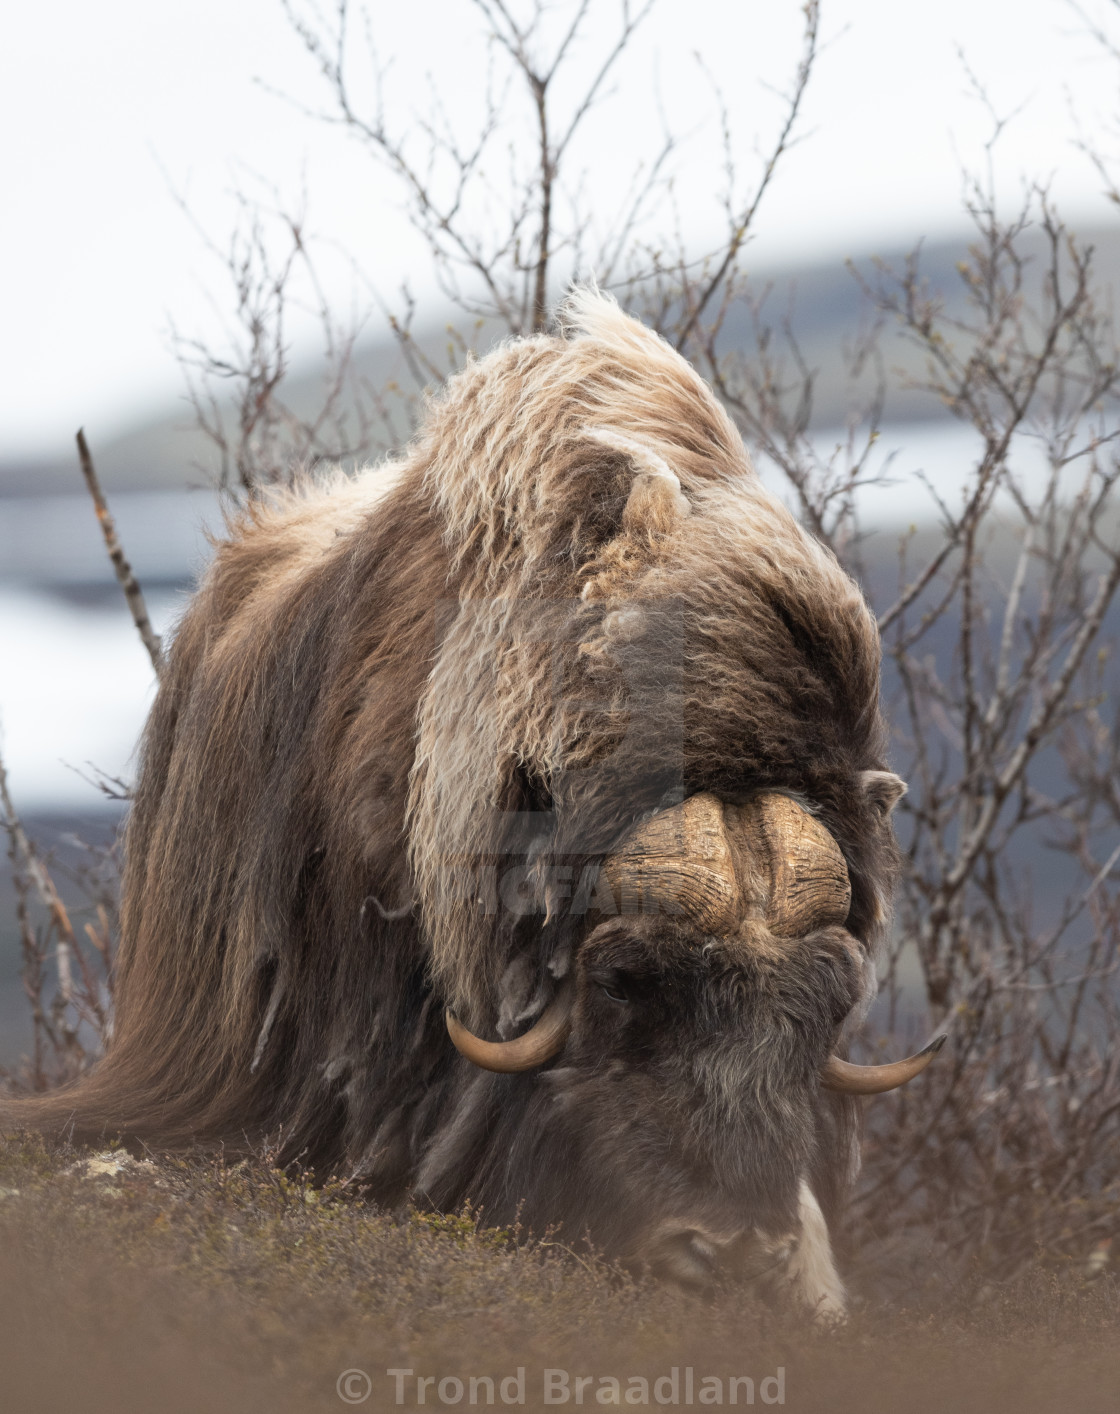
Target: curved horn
x=852 y=1079
x=539 y=1043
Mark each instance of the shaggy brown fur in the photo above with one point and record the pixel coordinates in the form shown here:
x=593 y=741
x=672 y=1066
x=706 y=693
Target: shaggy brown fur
x=402 y=715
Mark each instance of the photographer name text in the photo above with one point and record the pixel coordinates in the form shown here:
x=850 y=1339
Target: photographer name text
x=678 y=1387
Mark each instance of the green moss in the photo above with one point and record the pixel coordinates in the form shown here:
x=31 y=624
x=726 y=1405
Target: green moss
x=463 y=1228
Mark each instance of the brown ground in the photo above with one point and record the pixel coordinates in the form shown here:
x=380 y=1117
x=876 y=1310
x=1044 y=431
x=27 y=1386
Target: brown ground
x=186 y=1286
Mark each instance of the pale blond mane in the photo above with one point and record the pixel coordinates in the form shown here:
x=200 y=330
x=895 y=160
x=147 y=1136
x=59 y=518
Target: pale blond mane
x=522 y=451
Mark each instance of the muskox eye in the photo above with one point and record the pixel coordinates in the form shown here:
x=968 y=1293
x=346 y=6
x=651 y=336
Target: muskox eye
x=613 y=989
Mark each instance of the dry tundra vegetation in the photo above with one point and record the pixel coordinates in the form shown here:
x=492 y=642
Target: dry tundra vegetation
x=978 y=1244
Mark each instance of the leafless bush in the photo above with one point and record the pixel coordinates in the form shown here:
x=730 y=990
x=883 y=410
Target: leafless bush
x=238 y=391
x=999 y=641
x=500 y=275
x=998 y=627
x=68 y=980
x=68 y=977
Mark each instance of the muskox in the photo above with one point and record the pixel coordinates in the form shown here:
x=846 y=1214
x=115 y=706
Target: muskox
x=512 y=827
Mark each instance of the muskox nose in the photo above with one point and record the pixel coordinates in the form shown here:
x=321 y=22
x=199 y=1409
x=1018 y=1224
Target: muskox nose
x=699 y=1257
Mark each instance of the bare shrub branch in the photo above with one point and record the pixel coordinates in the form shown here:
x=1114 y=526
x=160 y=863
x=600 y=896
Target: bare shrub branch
x=82 y=995
x=133 y=594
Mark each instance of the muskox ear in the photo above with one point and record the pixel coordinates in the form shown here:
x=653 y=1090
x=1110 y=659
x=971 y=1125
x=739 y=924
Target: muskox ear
x=653 y=505
x=656 y=499
x=883 y=789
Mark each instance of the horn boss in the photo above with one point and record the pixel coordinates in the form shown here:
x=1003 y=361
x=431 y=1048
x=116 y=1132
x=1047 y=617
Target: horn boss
x=720 y=866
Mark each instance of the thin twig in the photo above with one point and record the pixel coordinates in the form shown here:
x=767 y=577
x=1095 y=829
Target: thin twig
x=134 y=595
x=25 y=851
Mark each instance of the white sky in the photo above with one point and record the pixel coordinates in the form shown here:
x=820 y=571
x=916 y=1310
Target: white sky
x=102 y=105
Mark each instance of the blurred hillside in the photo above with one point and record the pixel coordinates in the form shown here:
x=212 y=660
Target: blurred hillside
x=823 y=304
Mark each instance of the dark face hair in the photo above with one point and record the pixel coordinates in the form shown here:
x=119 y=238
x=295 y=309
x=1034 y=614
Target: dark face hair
x=683 y=1113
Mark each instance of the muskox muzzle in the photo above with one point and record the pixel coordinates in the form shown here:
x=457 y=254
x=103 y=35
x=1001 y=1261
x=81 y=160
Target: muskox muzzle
x=726 y=869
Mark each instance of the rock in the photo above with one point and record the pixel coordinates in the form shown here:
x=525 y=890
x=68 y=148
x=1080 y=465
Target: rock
x=111 y=1164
